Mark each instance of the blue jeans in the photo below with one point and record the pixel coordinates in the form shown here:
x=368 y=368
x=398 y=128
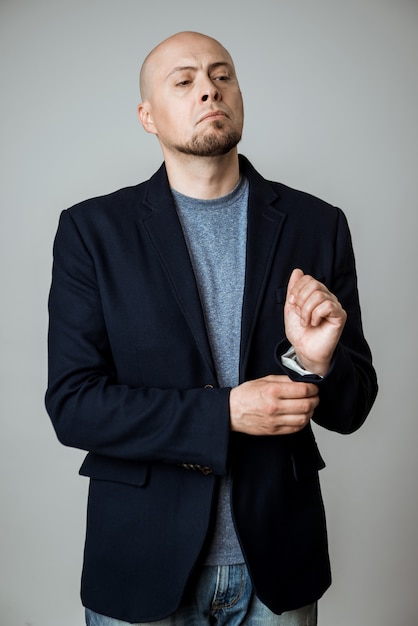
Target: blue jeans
x=223 y=597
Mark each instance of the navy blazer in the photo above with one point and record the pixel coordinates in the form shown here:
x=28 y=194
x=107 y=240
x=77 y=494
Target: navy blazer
x=132 y=381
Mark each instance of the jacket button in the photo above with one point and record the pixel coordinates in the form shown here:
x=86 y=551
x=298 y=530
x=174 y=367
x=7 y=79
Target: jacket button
x=208 y=387
x=205 y=469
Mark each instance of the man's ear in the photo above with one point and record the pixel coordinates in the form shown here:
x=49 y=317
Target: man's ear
x=145 y=117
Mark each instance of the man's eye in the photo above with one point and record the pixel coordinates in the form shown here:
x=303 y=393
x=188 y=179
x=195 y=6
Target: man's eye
x=221 y=77
x=183 y=83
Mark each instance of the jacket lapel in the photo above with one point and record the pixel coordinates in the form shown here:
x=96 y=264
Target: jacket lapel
x=166 y=234
x=265 y=223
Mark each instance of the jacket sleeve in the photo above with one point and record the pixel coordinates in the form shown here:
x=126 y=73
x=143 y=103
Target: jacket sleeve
x=349 y=389
x=94 y=411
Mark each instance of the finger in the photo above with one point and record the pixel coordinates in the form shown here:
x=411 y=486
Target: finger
x=307 y=286
x=276 y=378
x=293 y=390
x=295 y=277
x=296 y=409
x=302 y=290
x=287 y=424
x=330 y=311
x=315 y=303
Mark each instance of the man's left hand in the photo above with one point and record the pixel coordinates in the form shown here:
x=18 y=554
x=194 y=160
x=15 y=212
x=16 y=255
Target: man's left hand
x=314 y=321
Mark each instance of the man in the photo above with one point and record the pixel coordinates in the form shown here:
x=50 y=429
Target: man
x=198 y=321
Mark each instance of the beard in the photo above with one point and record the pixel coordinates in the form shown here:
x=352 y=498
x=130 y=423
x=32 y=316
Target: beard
x=213 y=144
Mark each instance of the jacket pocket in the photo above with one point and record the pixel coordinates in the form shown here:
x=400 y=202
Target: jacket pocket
x=99 y=467
x=306 y=460
x=281 y=294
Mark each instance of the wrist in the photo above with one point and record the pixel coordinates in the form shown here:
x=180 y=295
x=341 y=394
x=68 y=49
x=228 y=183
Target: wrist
x=303 y=366
x=319 y=369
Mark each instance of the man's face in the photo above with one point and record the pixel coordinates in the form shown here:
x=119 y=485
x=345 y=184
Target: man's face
x=192 y=99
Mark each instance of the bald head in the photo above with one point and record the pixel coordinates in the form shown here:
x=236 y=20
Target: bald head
x=169 y=49
x=191 y=98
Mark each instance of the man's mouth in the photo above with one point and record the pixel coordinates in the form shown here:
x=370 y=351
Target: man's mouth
x=213 y=115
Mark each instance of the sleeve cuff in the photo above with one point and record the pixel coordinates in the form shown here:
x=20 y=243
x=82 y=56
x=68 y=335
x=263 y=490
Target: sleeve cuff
x=291 y=361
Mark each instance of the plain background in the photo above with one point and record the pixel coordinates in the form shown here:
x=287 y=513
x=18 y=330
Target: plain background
x=331 y=96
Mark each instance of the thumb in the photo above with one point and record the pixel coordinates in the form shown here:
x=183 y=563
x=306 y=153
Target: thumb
x=295 y=276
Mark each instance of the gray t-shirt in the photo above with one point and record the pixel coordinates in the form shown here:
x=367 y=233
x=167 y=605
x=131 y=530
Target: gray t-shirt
x=216 y=233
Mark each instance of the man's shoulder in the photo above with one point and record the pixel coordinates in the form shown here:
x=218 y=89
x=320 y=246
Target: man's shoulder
x=290 y=198
x=120 y=201
x=299 y=198
x=113 y=202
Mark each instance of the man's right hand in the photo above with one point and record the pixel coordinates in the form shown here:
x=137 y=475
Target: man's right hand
x=273 y=405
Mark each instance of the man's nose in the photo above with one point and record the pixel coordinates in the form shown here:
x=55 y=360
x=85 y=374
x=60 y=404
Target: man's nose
x=209 y=91
x=213 y=95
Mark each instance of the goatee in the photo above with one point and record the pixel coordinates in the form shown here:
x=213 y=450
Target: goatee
x=213 y=144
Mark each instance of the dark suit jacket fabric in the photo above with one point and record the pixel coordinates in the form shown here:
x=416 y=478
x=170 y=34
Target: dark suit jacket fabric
x=132 y=381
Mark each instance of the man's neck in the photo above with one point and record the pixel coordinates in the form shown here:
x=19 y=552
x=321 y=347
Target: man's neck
x=203 y=177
